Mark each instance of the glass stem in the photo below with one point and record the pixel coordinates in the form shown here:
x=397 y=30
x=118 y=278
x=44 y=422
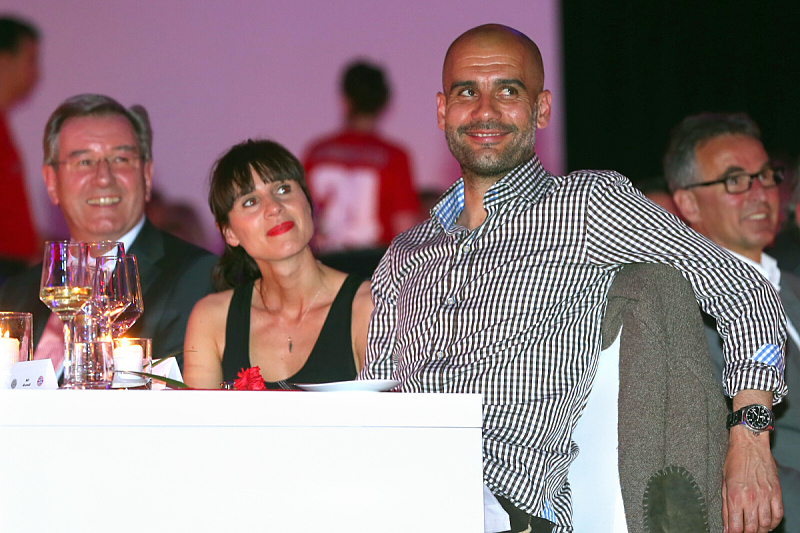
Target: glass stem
x=67 y=335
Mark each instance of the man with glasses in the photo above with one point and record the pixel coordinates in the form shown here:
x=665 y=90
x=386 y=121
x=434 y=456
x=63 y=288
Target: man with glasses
x=725 y=187
x=98 y=169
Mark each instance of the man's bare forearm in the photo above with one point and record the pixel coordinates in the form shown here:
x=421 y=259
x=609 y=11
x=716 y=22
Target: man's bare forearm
x=751 y=494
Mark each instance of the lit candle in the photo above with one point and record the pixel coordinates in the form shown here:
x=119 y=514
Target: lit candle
x=128 y=357
x=9 y=353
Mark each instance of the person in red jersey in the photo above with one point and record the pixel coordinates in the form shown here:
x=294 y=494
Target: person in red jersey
x=361 y=183
x=19 y=72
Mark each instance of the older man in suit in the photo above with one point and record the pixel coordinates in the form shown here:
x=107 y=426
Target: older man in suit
x=98 y=169
x=725 y=186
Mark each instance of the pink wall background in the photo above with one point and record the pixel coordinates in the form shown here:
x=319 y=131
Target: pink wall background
x=214 y=73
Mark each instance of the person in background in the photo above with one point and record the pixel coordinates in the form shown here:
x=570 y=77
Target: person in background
x=279 y=308
x=726 y=189
x=361 y=183
x=98 y=167
x=656 y=190
x=502 y=292
x=19 y=72
x=178 y=218
x=786 y=246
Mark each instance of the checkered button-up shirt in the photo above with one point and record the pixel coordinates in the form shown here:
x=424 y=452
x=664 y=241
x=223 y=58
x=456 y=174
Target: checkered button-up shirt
x=512 y=310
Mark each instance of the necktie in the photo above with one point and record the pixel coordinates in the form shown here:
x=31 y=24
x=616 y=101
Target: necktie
x=51 y=345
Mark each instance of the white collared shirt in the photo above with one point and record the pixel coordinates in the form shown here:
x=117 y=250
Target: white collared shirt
x=128 y=238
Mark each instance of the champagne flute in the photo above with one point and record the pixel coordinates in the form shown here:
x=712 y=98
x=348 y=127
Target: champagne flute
x=135 y=309
x=65 y=285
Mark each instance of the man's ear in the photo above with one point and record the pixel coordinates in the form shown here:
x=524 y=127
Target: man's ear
x=686 y=202
x=543 y=102
x=50 y=182
x=148 y=180
x=441 y=108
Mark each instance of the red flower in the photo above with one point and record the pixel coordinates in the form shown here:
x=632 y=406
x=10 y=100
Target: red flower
x=249 y=379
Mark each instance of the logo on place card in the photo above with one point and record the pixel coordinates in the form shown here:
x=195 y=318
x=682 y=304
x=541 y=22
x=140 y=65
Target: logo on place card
x=33 y=375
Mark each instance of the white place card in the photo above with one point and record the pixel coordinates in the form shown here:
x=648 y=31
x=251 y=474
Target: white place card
x=33 y=375
x=167 y=368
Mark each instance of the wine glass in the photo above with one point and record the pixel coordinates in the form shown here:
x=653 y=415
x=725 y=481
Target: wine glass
x=91 y=362
x=111 y=293
x=103 y=260
x=103 y=249
x=135 y=309
x=65 y=285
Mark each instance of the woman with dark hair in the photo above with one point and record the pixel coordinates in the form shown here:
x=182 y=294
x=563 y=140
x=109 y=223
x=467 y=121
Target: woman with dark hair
x=279 y=308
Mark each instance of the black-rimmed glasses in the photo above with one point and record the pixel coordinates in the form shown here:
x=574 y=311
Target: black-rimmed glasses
x=741 y=182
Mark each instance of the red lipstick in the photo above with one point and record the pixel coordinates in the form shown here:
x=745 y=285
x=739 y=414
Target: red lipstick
x=280 y=229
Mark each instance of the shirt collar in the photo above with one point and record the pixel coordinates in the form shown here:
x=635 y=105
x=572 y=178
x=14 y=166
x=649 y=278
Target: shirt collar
x=128 y=238
x=529 y=180
x=768 y=267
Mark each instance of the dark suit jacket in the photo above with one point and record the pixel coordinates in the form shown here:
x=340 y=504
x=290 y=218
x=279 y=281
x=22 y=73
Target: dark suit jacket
x=174 y=275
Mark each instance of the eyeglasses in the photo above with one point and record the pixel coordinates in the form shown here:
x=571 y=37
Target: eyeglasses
x=741 y=182
x=85 y=164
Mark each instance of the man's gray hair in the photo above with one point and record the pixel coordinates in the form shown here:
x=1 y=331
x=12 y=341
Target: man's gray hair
x=680 y=166
x=86 y=105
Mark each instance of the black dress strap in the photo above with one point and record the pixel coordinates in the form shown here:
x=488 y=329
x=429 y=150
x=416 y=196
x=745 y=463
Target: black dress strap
x=237 y=333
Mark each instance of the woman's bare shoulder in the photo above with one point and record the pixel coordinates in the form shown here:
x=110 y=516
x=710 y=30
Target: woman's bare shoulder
x=214 y=305
x=362 y=301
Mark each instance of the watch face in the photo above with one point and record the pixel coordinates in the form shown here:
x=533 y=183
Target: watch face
x=757 y=417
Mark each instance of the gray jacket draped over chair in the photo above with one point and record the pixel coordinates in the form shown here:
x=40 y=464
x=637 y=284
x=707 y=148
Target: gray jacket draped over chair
x=672 y=435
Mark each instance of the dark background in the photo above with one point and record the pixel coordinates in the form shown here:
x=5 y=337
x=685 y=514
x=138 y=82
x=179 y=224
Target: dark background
x=631 y=73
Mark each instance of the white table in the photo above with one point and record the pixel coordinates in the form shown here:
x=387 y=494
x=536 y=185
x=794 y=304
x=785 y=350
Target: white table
x=219 y=460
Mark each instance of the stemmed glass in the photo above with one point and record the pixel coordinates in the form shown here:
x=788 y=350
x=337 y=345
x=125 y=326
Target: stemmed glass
x=135 y=309
x=106 y=277
x=90 y=365
x=111 y=294
x=66 y=284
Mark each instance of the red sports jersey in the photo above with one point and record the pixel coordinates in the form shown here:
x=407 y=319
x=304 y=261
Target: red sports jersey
x=358 y=182
x=18 y=239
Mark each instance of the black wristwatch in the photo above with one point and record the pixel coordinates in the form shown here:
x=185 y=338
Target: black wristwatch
x=755 y=417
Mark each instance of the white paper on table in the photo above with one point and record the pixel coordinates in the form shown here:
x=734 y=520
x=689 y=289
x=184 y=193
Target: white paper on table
x=167 y=368
x=33 y=375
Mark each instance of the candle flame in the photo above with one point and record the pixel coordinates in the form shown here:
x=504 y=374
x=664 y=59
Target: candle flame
x=5 y=335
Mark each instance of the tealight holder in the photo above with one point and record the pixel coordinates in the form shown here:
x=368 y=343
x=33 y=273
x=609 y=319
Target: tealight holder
x=16 y=343
x=131 y=357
